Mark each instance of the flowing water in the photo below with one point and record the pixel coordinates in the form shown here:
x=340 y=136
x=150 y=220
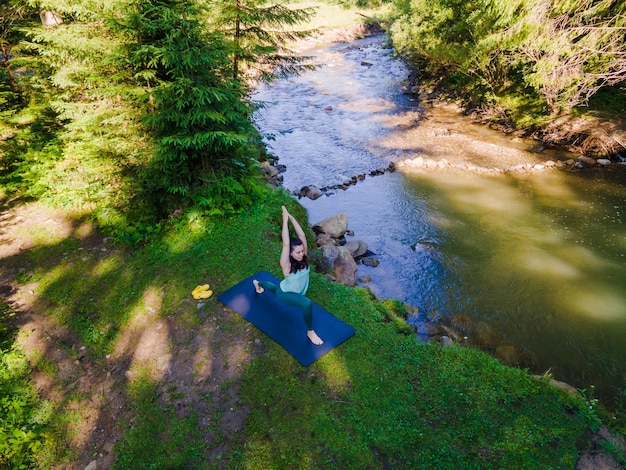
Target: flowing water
x=531 y=266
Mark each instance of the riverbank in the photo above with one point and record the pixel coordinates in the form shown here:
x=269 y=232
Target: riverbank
x=582 y=133
x=131 y=368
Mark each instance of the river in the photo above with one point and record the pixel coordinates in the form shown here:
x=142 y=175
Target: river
x=528 y=265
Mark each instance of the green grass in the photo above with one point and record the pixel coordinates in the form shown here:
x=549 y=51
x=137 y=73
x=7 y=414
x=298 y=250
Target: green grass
x=157 y=437
x=23 y=416
x=329 y=16
x=381 y=399
x=609 y=102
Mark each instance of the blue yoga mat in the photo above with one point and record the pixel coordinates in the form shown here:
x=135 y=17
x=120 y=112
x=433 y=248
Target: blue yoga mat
x=284 y=323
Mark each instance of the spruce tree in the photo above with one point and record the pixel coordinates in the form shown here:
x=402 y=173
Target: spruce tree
x=259 y=32
x=198 y=116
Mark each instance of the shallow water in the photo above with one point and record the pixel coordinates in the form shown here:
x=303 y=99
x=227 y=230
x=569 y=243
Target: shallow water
x=531 y=266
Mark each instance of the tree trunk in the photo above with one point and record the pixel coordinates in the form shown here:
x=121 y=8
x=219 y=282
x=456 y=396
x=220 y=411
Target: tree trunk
x=5 y=61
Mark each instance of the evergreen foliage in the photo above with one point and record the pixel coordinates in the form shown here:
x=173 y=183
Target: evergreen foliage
x=198 y=116
x=78 y=137
x=574 y=49
x=12 y=15
x=258 y=32
x=129 y=110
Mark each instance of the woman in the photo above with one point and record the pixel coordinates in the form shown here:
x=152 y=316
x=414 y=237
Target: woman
x=295 y=266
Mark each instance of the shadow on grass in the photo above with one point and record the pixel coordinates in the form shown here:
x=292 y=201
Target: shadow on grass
x=120 y=347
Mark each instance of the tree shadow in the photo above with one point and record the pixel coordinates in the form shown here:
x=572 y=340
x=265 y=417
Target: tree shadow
x=96 y=320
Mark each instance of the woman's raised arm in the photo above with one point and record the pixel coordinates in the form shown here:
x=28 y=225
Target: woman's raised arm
x=285 y=264
x=299 y=232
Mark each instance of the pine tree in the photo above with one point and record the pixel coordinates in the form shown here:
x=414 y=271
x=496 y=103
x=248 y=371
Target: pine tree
x=198 y=116
x=259 y=33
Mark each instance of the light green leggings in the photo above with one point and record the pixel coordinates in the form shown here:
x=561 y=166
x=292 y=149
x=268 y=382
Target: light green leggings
x=291 y=298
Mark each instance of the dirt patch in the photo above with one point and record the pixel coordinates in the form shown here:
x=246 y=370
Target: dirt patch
x=587 y=135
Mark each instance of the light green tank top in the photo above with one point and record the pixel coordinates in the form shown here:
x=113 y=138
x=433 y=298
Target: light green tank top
x=297 y=282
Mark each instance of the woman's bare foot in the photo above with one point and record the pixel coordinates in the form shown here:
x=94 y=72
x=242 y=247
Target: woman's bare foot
x=316 y=340
x=257 y=287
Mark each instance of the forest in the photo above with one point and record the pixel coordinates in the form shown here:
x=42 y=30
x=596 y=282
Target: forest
x=139 y=109
x=135 y=117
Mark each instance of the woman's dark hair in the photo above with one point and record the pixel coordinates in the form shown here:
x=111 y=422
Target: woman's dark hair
x=296 y=265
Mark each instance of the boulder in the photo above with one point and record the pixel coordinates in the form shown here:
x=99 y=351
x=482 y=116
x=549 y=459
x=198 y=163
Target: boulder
x=311 y=192
x=604 y=161
x=342 y=263
x=335 y=226
x=345 y=267
x=324 y=239
x=357 y=248
x=269 y=169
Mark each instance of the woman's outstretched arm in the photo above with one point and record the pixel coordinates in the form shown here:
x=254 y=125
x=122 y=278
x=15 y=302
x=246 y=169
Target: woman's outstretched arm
x=299 y=232
x=285 y=264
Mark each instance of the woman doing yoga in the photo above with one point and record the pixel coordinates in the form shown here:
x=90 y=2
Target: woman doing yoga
x=295 y=266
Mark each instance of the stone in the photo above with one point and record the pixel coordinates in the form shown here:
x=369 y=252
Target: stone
x=365 y=279
x=269 y=169
x=324 y=239
x=342 y=263
x=508 y=354
x=312 y=192
x=357 y=248
x=93 y=465
x=345 y=267
x=370 y=261
x=603 y=161
x=445 y=341
x=417 y=162
x=335 y=226
x=586 y=162
x=330 y=253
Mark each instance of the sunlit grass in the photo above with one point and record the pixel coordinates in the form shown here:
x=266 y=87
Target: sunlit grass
x=334 y=16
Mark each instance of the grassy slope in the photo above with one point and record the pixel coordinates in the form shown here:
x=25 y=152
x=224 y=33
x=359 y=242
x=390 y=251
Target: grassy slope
x=381 y=399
